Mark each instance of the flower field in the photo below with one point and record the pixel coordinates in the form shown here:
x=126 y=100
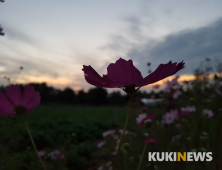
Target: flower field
x=86 y=138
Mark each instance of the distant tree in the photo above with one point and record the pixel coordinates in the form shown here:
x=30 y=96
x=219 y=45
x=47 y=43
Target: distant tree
x=67 y=96
x=48 y=94
x=81 y=97
x=97 y=96
x=116 y=98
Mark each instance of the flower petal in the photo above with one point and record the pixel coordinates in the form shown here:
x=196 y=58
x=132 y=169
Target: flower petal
x=6 y=107
x=123 y=72
x=28 y=94
x=35 y=101
x=14 y=94
x=163 y=71
x=92 y=77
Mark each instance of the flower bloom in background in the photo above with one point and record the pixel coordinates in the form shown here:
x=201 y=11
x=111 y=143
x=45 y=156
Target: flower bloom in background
x=152 y=116
x=171 y=83
x=1 y=31
x=169 y=118
x=208 y=113
x=109 y=132
x=217 y=87
x=141 y=117
x=123 y=74
x=101 y=144
x=150 y=140
x=16 y=101
x=177 y=94
x=41 y=153
x=183 y=113
x=56 y=154
x=188 y=109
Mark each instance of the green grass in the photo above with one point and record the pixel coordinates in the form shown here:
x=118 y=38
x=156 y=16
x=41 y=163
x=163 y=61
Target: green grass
x=72 y=129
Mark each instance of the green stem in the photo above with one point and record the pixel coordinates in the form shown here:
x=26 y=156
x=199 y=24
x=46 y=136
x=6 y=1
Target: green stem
x=141 y=158
x=33 y=143
x=122 y=136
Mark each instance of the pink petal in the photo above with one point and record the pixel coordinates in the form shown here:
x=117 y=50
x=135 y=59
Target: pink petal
x=92 y=77
x=163 y=71
x=96 y=83
x=28 y=94
x=123 y=72
x=14 y=94
x=35 y=100
x=6 y=106
x=152 y=116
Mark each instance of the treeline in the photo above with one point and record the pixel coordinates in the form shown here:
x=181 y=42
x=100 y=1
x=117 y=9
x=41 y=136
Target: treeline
x=95 y=96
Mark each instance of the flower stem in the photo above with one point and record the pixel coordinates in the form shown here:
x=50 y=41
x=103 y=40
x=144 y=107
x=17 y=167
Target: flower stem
x=141 y=158
x=122 y=136
x=33 y=143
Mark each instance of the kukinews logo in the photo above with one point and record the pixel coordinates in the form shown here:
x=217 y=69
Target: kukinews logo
x=180 y=156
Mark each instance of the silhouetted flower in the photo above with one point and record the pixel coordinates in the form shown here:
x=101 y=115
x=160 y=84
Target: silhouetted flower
x=15 y=101
x=123 y=74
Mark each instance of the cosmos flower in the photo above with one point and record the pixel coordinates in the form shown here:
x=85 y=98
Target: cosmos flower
x=170 y=84
x=16 y=101
x=208 y=113
x=141 y=117
x=101 y=144
x=169 y=118
x=189 y=109
x=150 y=140
x=177 y=94
x=41 y=153
x=123 y=74
x=109 y=132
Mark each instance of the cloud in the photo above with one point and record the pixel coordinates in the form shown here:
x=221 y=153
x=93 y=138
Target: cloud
x=191 y=46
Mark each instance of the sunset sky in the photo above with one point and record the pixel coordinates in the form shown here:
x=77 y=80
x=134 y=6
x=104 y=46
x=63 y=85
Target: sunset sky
x=53 y=39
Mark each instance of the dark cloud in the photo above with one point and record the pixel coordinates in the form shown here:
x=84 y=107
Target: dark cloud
x=19 y=36
x=191 y=46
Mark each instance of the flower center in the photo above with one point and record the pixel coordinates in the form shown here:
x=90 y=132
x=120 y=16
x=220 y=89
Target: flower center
x=130 y=89
x=20 y=110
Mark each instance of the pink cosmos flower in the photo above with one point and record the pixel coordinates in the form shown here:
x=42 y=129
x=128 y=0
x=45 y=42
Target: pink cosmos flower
x=15 y=101
x=169 y=118
x=208 y=113
x=62 y=156
x=141 y=117
x=101 y=144
x=109 y=132
x=189 y=109
x=150 y=140
x=123 y=74
x=183 y=113
x=41 y=153
x=57 y=152
x=152 y=116
x=177 y=94
x=171 y=83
